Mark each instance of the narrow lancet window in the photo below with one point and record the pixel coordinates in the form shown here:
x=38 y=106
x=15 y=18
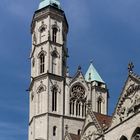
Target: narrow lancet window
x=42 y=63
x=54 y=99
x=54 y=63
x=54 y=131
x=54 y=34
x=99 y=105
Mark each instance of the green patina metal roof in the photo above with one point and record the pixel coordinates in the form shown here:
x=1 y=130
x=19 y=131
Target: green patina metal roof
x=92 y=75
x=45 y=3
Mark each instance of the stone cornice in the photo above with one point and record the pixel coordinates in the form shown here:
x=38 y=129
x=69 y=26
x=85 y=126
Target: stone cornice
x=45 y=42
x=56 y=115
x=99 y=88
x=43 y=76
x=49 y=11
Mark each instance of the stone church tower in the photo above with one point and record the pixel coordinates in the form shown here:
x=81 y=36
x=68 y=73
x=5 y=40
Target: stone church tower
x=58 y=102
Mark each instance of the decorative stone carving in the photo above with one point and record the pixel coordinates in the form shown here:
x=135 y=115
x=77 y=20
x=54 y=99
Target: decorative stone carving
x=43 y=27
x=41 y=88
x=129 y=103
x=136 y=137
x=55 y=85
x=130 y=67
x=135 y=106
x=77 y=92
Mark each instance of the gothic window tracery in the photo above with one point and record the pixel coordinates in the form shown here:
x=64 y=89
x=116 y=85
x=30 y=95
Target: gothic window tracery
x=136 y=134
x=78 y=101
x=42 y=31
x=40 y=89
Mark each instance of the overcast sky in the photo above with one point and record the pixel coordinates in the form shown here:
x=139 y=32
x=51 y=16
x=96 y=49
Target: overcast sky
x=105 y=31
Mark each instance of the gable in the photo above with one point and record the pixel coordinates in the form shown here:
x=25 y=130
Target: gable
x=91 y=126
x=129 y=101
x=78 y=78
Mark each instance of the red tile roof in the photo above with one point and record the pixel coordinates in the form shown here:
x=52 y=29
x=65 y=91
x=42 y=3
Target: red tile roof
x=104 y=120
x=74 y=136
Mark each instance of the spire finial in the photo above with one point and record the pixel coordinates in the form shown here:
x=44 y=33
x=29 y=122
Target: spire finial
x=91 y=61
x=130 y=67
x=79 y=68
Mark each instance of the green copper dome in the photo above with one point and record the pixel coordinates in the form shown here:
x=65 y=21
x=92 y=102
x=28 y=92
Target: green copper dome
x=92 y=75
x=45 y=3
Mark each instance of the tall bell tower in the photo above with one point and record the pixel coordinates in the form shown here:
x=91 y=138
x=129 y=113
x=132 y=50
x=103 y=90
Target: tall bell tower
x=48 y=56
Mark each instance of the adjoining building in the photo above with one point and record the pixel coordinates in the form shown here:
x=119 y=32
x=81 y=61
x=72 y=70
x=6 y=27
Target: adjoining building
x=73 y=108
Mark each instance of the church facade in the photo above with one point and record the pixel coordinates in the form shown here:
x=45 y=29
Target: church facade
x=73 y=108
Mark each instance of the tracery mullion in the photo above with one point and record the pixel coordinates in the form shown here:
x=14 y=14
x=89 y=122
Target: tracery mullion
x=79 y=108
x=73 y=107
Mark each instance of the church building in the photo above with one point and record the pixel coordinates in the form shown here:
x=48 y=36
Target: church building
x=73 y=108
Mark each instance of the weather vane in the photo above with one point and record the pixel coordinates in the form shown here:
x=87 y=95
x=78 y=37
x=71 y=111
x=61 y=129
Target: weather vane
x=130 y=67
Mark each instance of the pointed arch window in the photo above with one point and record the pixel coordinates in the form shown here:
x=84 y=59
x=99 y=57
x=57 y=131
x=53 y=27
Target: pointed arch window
x=42 y=31
x=99 y=105
x=40 y=89
x=54 y=34
x=123 y=138
x=42 y=63
x=54 y=99
x=54 y=62
x=77 y=101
